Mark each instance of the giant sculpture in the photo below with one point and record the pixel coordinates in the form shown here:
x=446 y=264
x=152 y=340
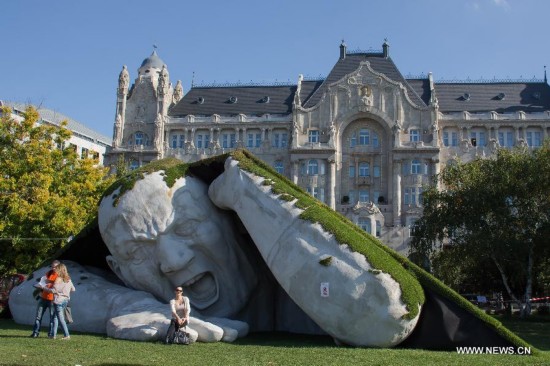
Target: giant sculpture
x=252 y=252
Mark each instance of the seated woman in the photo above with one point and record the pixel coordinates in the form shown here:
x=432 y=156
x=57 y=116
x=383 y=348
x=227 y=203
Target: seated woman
x=180 y=314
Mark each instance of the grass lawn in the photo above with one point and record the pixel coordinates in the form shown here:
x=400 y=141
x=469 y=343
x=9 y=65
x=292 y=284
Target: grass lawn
x=258 y=349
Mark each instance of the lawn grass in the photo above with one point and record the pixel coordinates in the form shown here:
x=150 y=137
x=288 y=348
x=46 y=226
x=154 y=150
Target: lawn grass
x=257 y=349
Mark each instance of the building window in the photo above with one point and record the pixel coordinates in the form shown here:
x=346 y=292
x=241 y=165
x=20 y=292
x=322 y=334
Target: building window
x=375 y=141
x=228 y=140
x=413 y=196
x=415 y=167
x=353 y=140
x=364 y=137
x=364 y=224
x=506 y=139
x=363 y=196
x=534 y=139
x=181 y=141
x=321 y=194
x=313 y=191
x=134 y=165
x=254 y=140
x=312 y=167
x=378 y=228
x=352 y=171
x=450 y=138
x=351 y=195
x=376 y=196
x=174 y=141
x=376 y=171
x=280 y=140
x=364 y=170
x=138 y=138
x=313 y=136
x=279 y=167
x=203 y=141
x=84 y=153
x=477 y=138
x=414 y=135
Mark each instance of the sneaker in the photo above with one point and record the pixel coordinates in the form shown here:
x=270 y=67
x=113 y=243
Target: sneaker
x=66 y=338
x=51 y=337
x=34 y=335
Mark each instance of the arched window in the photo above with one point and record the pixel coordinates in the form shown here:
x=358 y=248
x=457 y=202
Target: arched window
x=364 y=169
x=312 y=167
x=279 y=167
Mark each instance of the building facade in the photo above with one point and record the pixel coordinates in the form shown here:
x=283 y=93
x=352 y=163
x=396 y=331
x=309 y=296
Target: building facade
x=365 y=140
x=85 y=141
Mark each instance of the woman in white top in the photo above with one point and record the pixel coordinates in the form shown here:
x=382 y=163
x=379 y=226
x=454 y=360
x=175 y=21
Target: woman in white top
x=180 y=313
x=62 y=288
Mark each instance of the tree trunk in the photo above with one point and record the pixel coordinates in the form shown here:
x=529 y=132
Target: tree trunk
x=526 y=308
x=505 y=282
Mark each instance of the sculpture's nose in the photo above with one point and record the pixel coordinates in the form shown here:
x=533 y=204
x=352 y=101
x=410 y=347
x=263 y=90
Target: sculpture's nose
x=173 y=255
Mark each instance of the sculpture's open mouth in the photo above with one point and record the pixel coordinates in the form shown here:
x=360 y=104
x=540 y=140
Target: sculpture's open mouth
x=202 y=290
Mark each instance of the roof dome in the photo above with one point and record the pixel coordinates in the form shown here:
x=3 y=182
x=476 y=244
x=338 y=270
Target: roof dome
x=153 y=61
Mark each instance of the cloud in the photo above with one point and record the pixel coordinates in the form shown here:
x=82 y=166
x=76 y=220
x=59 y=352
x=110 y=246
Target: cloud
x=502 y=3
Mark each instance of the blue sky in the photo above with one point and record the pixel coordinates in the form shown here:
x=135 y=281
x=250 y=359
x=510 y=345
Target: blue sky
x=66 y=54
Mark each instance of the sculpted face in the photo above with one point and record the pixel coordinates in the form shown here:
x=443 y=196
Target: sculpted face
x=161 y=238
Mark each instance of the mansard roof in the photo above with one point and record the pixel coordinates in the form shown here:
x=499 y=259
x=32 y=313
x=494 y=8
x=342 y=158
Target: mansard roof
x=484 y=96
x=351 y=62
x=233 y=100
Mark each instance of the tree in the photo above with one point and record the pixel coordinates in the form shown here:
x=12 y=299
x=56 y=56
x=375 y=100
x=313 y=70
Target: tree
x=495 y=209
x=47 y=193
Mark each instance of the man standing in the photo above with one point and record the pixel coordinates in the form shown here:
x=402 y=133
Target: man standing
x=45 y=302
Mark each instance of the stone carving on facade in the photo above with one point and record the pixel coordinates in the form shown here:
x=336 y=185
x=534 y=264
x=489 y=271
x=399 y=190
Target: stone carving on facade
x=366 y=95
x=162 y=87
x=159 y=131
x=332 y=135
x=178 y=92
x=493 y=145
x=368 y=208
x=522 y=143
x=465 y=145
x=123 y=80
x=117 y=138
x=396 y=129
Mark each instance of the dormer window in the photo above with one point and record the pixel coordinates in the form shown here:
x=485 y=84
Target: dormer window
x=465 y=96
x=200 y=100
x=265 y=99
x=501 y=96
x=233 y=100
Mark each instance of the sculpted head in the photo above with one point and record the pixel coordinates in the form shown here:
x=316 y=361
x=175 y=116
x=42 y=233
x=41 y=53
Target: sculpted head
x=163 y=237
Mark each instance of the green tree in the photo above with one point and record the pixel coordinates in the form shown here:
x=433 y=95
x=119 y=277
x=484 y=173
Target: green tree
x=47 y=193
x=495 y=209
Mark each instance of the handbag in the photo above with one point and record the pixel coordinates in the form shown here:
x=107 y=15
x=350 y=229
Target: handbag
x=181 y=337
x=68 y=314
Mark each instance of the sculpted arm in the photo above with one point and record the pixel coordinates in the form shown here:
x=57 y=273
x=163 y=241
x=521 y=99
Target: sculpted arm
x=347 y=298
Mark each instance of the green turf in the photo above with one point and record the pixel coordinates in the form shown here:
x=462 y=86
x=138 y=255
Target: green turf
x=256 y=349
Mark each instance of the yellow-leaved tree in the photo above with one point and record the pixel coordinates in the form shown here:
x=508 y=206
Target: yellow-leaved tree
x=47 y=193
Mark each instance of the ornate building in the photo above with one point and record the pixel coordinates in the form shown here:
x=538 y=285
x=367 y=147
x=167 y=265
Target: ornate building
x=365 y=140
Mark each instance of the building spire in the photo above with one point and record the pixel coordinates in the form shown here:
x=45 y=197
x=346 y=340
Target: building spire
x=545 y=79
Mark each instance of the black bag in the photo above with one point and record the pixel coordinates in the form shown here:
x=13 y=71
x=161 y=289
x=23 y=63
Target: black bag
x=68 y=314
x=181 y=337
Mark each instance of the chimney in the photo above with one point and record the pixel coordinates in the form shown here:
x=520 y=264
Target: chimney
x=386 y=48
x=342 y=50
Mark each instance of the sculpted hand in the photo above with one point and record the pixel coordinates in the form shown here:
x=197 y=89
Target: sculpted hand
x=146 y=319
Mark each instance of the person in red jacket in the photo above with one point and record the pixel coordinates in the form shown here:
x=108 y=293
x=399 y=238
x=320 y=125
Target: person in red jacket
x=45 y=302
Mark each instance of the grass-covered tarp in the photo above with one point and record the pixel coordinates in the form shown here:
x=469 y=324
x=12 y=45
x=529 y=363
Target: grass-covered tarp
x=442 y=306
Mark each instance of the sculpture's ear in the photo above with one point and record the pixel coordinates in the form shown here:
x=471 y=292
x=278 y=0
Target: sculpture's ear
x=113 y=264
